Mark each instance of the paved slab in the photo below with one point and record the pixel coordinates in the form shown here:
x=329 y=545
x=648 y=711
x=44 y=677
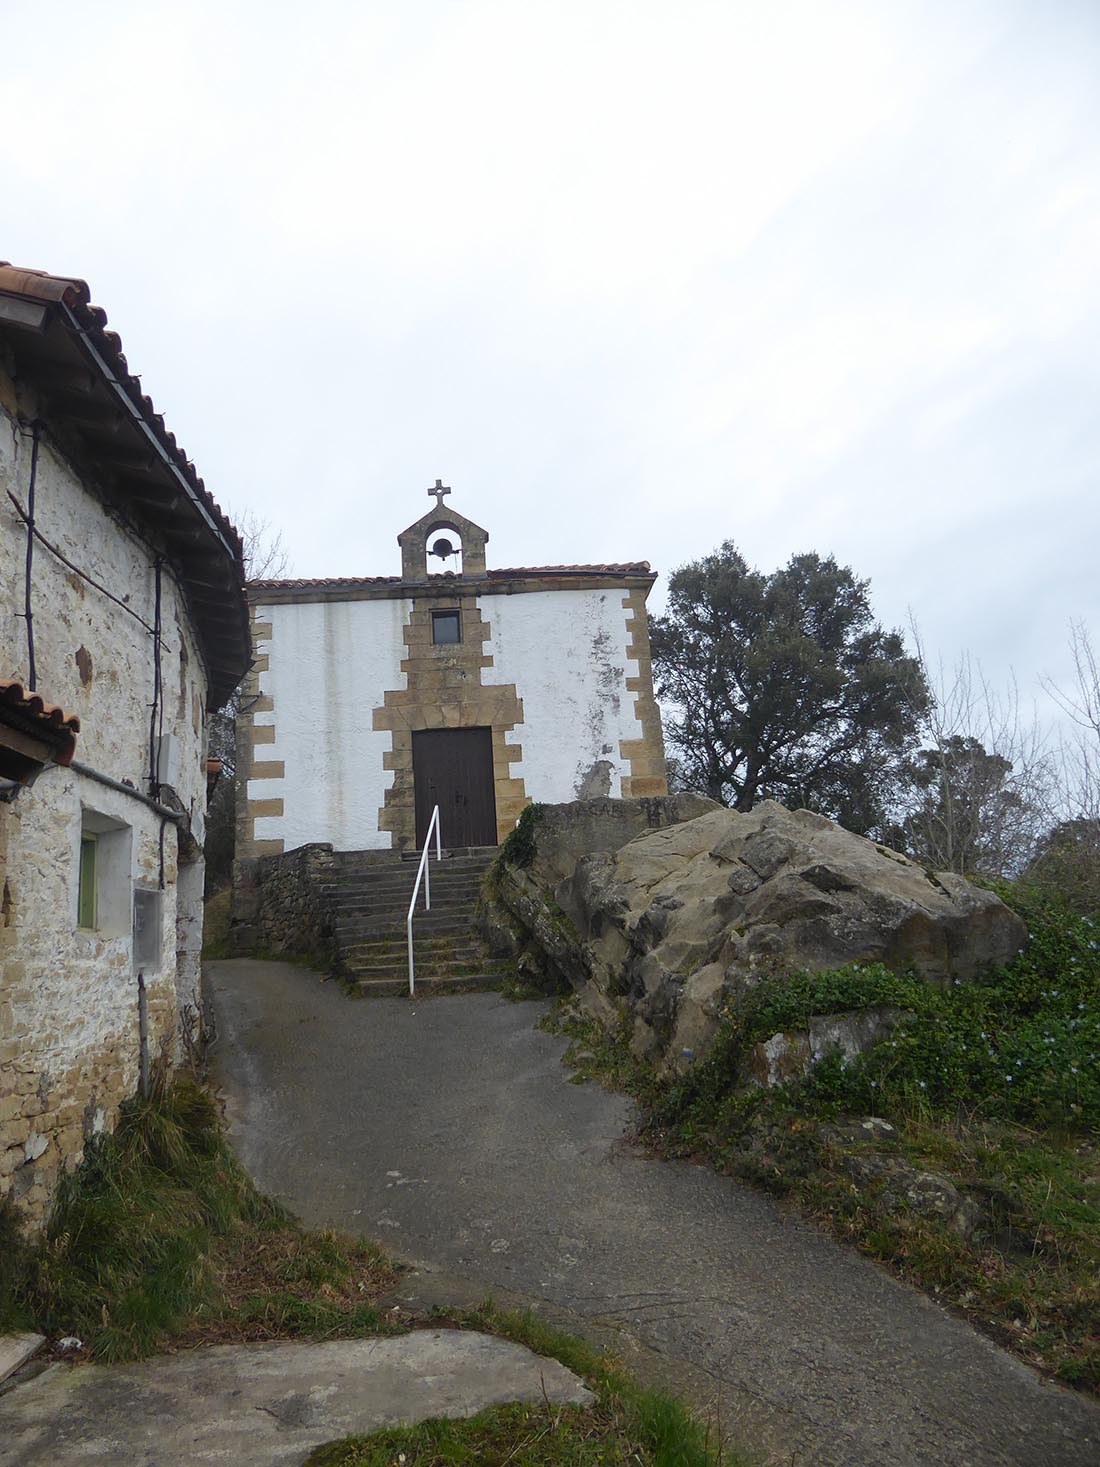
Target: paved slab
x=265 y=1405
x=450 y=1129
x=16 y=1350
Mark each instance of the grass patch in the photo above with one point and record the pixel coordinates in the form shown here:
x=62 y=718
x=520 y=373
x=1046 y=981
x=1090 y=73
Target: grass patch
x=625 y=1427
x=1030 y=1276
x=993 y=1085
x=159 y=1237
x=596 y=1054
x=519 y=987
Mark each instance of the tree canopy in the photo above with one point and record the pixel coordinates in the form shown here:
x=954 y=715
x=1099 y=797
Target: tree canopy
x=784 y=686
x=968 y=810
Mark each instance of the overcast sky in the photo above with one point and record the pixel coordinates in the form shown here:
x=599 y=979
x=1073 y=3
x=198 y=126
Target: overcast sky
x=633 y=278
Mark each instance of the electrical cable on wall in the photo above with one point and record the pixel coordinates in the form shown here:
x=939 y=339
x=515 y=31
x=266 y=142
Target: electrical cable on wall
x=154 y=762
x=28 y=613
x=65 y=561
x=113 y=512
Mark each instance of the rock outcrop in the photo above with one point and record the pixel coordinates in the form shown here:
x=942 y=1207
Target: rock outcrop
x=666 y=916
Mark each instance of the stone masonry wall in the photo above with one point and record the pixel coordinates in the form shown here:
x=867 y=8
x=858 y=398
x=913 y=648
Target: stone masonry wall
x=68 y=996
x=281 y=906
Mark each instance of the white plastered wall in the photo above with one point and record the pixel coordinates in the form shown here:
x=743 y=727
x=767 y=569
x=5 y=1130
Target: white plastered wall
x=566 y=652
x=329 y=665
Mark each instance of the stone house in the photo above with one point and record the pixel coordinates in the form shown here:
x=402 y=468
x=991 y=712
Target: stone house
x=374 y=699
x=123 y=623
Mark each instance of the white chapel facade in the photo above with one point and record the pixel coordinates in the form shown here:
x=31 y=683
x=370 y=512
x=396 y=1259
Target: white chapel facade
x=372 y=700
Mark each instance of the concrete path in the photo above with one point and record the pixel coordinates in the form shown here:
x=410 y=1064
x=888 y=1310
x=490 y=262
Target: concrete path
x=449 y=1129
x=265 y=1405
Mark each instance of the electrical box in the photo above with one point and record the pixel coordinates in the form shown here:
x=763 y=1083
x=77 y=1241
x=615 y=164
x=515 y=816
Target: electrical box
x=146 y=931
x=168 y=760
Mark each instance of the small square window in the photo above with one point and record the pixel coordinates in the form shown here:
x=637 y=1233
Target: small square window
x=103 y=879
x=446 y=628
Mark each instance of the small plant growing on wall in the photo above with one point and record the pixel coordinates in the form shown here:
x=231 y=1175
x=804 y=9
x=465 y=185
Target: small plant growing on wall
x=519 y=848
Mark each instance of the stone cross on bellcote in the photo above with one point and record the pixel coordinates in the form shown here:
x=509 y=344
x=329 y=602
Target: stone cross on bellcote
x=439 y=491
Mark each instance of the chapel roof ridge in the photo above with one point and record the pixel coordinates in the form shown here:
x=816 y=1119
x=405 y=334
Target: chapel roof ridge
x=611 y=568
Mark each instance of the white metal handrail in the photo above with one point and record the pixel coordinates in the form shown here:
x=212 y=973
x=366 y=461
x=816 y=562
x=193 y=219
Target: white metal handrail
x=423 y=871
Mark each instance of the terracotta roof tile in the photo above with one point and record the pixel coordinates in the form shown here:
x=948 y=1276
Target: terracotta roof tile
x=614 y=568
x=54 y=723
x=40 y=286
x=307 y=583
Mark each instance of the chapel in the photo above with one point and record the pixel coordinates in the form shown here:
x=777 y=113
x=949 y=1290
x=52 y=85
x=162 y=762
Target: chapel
x=372 y=700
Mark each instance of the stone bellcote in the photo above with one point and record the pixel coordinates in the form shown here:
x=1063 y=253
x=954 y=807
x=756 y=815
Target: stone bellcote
x=471 y=538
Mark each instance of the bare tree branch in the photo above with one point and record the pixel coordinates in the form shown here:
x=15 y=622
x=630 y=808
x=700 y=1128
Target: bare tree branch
x=983 y=791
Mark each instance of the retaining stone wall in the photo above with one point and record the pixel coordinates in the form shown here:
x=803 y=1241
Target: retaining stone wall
x=280 y=905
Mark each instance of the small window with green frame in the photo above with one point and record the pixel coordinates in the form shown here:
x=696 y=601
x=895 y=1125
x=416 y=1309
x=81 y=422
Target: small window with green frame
x=86 y=899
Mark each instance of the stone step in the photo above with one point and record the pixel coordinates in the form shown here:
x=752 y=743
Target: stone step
x=439 y=920
x=407 y=869
x=429 y=942
x=397 y=961
x=369 y=972
x=378 y=891
x=445 y=880
x=399 y=871
x=399 y=913
x=396 y=952
x=439 y=911
x=457 y=880
x=369 y=896
x=398 y=957
x=426 y=987
x=426 y=937
x=16 y=1350
x=442 y=929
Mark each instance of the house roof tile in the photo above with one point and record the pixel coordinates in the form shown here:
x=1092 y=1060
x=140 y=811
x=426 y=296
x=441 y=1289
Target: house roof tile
x=207 y=547
x=48 y=719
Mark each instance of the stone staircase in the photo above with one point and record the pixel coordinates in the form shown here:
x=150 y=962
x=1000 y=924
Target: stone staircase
x=370 y=894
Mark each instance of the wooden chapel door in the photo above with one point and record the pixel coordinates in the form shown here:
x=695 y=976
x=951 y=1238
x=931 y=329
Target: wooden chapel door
x=453 y=768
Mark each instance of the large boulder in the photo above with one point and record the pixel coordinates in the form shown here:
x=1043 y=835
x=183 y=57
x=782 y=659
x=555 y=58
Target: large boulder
x=669 y=927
